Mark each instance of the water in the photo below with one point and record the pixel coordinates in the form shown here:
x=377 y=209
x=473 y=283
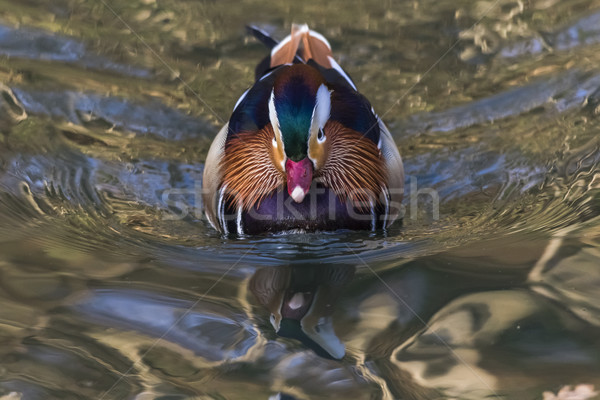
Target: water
x=113 y=287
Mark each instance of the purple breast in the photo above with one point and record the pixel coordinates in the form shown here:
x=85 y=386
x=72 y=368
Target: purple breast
x=321 y=210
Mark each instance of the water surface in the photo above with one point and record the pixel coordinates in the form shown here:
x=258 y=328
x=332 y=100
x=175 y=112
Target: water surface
x=112 y=285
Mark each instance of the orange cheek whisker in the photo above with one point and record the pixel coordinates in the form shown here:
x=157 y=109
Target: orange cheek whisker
x=248 y=169
x=354 y=167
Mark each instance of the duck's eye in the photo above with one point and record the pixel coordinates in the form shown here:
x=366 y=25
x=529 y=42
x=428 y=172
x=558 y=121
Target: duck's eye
x=321 y=136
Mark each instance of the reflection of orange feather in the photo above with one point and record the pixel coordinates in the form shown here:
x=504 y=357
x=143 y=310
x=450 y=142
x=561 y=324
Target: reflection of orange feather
x=354 y=168
x=248 y=169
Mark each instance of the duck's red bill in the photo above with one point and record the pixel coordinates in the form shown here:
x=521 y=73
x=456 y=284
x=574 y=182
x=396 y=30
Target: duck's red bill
x=299 y=178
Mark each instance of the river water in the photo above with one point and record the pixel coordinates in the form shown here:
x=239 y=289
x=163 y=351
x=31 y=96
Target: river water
x=112 y=285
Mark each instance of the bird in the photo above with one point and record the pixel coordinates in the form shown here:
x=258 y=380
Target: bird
x=303 y=150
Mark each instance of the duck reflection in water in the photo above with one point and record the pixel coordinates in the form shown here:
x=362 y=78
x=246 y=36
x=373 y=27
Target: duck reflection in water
x=301 y=300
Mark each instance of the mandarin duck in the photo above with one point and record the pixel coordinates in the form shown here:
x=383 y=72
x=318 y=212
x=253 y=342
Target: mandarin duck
x=303 y=149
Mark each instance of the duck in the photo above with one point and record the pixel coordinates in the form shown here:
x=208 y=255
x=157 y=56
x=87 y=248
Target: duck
x=303 y=150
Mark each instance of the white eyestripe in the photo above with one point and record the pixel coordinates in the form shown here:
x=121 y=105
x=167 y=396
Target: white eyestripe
x=322 y=110
x=273 y=113
x=320 y=116
x=275 y=123
x=323 y=105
